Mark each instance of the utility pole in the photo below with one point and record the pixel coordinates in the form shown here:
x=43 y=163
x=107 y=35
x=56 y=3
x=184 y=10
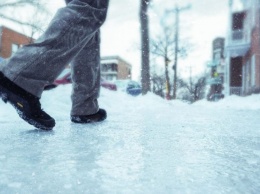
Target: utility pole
x=177 y=10
x=167 y=61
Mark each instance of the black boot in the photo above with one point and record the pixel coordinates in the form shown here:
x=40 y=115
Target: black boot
x=101 y=115
x=27 y=105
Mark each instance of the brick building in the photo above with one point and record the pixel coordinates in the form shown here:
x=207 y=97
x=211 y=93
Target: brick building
x=10 y=41
x=114 y=67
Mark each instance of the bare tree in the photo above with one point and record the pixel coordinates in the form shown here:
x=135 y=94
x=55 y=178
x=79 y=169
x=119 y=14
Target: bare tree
x=163 y=46
x=7 y=8
x=196 y=88
x=145 y=71
x=158 y=84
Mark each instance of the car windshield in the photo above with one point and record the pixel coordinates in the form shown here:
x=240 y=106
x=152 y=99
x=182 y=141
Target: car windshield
x=133 y=84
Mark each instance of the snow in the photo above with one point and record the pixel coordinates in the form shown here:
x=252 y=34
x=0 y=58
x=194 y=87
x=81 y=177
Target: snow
x=235 y=102
x=147 y=145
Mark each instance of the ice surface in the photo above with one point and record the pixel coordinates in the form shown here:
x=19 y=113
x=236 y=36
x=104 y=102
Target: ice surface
x=147 y=145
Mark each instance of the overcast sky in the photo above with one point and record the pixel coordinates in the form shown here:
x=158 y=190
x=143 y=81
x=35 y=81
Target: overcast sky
x=120 y=35
x=206 y=20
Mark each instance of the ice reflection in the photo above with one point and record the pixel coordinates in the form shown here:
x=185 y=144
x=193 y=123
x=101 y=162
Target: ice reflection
x=120 y=165
x=136 y=153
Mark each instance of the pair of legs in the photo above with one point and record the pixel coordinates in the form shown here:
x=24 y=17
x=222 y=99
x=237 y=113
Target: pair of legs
x=71 y=38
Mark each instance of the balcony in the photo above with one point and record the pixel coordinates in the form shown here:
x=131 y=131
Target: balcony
x=109 y=68
x=238 y=43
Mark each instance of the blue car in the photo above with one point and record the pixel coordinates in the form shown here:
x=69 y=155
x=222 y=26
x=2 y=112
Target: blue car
x=129 y=86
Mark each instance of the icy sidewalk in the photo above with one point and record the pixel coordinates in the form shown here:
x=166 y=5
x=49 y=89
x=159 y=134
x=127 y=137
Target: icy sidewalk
x=147 y=145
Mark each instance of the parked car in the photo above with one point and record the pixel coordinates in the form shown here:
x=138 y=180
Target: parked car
x=129 y=86
x=65 y=78
x=108 y=85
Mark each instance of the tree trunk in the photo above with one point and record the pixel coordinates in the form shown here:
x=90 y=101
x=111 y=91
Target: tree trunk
x=145 y=70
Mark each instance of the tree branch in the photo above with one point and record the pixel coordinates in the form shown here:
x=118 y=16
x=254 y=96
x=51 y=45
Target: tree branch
x=21 y=23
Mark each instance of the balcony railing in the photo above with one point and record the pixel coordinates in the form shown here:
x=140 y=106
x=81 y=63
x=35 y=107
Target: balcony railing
x=109 y=72
x=236 y=91
x=238 y=37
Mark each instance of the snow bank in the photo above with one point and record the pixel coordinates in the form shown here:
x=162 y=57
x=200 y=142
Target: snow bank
x=57 y=102
x=233 y=102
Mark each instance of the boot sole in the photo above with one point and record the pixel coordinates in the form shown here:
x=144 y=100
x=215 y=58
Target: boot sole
x=100 y=116
x=9 y=97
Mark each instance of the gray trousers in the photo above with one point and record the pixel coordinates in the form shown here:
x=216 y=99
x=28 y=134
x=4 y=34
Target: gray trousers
x=72 y=37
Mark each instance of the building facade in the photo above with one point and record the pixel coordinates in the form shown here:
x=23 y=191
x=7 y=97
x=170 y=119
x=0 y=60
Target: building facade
x=11 y=41
x=114 y=68
x=242 y=48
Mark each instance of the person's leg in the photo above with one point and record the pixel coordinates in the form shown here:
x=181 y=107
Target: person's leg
x=85 y=68
x=38 y=64
x=86 y=84
x=23 y=77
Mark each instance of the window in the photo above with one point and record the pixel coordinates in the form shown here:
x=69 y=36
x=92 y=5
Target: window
x=244 y=76
x=107 y=67
x=238 y=21
x=253 y=70
x=15 y=48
